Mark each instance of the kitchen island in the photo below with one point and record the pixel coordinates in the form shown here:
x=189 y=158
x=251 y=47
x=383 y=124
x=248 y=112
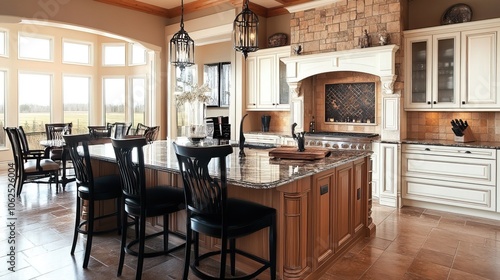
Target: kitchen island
x=323 y=206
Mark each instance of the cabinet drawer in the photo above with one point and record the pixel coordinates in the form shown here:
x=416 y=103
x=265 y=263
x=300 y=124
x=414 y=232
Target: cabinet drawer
x=450 y=193
x=462 y=152
x=471 y=170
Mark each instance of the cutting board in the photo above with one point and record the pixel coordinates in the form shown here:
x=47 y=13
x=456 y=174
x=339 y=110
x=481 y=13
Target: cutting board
x=293 y=153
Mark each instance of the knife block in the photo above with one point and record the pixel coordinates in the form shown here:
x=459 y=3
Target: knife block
x=467 y=137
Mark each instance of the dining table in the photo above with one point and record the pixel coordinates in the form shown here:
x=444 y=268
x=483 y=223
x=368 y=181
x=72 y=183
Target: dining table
x=58 y=143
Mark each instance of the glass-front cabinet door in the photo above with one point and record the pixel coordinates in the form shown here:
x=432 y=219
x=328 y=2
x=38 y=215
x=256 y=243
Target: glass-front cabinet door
x=446 y=84
x=418 y=79
x=433 y=62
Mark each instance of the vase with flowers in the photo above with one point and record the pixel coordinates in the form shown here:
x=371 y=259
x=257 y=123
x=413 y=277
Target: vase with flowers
x=194 y=100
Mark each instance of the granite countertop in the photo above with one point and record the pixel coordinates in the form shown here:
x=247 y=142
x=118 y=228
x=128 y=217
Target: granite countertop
x=256 y=170
x=475 y=144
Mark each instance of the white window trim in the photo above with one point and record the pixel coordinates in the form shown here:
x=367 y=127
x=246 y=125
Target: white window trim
x=130 y=97
x=51 y=94
x=7 y=39
x=90 y=91
x=103 y=54
x=50 y=38
x=91 y=51
x=103 y=94
x=130 y=55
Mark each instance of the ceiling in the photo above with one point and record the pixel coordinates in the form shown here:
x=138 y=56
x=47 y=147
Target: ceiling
x=171 y=8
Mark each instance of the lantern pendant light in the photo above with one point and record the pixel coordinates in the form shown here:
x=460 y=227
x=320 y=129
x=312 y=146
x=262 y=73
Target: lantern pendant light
x=182 y=46
x=245 y=31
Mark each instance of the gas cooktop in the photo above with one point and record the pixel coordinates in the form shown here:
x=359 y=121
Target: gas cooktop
x=342 y=134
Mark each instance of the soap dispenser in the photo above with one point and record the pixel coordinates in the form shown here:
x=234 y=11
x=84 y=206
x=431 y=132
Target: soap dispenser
x=312 y=125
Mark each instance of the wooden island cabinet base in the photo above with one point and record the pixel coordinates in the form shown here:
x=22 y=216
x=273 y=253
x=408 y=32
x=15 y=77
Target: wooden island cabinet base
x=320 y=217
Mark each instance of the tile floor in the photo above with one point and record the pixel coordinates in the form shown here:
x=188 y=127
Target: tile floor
x=410 y=243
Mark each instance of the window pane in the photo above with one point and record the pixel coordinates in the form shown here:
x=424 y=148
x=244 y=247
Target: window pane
x=35 y=48
x=3 y=74
x=3 y=43
x=114 y=99
x=76 y=53
x=138 y=100
x=34 y=104
x=114 y=55
x=76 y=92
x=138 y=54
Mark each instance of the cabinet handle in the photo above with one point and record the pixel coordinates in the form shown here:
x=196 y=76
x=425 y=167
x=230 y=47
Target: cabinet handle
x=427 y=149
x=428 y=102
x=358 y=193
x=323 y=190
x=468 y=152
x=463 y=102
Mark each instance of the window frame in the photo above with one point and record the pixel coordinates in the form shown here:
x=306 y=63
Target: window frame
x=103 y=56
x=103 y=99
x=6 y=42
x=131 y=55
x=89 y=98
x=78 y=42
x=36 y=36
x=131 y=99
x=5 y=107
x=51 y=92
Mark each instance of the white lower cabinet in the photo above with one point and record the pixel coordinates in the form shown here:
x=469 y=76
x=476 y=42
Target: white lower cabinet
x=388 y=174
x=262 y=138
x=455 y=176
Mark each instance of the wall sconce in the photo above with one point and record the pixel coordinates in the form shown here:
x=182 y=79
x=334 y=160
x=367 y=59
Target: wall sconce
x=181 y=46
x=245 y=31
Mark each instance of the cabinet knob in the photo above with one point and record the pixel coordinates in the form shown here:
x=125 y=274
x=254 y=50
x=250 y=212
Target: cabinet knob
x=435 y=102
x=428 y=102
x=427 y=149
x=463 y=102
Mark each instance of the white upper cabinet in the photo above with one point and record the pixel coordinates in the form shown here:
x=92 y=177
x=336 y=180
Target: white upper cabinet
x=480 y=70
x=453 y=67
x=266 y=80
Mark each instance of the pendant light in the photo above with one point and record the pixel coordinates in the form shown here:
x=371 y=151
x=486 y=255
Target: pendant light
x=181 y=46
x=245 y=31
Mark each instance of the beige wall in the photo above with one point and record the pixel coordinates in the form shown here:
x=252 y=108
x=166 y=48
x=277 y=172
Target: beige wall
x=426 y=13
x=137 y=26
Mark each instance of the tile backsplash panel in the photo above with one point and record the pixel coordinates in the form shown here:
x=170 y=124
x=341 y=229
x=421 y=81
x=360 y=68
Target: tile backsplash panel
x=350 y=102
x=485 y=126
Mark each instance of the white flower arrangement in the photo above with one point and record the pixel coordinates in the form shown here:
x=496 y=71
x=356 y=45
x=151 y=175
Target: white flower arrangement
x=197 y=93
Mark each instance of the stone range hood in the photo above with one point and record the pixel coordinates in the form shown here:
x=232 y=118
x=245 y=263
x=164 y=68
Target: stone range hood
x=378 y=61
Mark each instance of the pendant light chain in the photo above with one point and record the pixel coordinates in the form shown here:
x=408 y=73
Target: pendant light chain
x=182 y=46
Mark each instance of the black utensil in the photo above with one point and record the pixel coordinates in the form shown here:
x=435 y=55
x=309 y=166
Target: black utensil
x=453 y=124
x=457 y=131
x=462 y=124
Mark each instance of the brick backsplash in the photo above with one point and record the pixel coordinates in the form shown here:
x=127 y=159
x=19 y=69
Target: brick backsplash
x=485 y=126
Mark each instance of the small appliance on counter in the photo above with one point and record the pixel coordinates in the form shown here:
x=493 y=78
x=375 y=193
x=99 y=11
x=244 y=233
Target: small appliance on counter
x=266 y=121
x=222 y=128
x=462 y=131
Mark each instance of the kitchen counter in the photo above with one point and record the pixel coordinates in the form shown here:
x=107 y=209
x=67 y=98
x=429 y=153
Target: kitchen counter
x=323 y=206
x=256 y=170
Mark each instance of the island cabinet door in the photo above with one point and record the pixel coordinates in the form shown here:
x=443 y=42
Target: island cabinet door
x=323 y=209
x=359 y=187
x=343 y=205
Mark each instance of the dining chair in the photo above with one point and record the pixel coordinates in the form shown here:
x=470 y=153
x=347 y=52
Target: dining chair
x=120 y=130
x=148 y=132
x=55 y=131
x=30 y=170
x=91 y=189
x=27 y=152
x=212 y=213
x=142 y=202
